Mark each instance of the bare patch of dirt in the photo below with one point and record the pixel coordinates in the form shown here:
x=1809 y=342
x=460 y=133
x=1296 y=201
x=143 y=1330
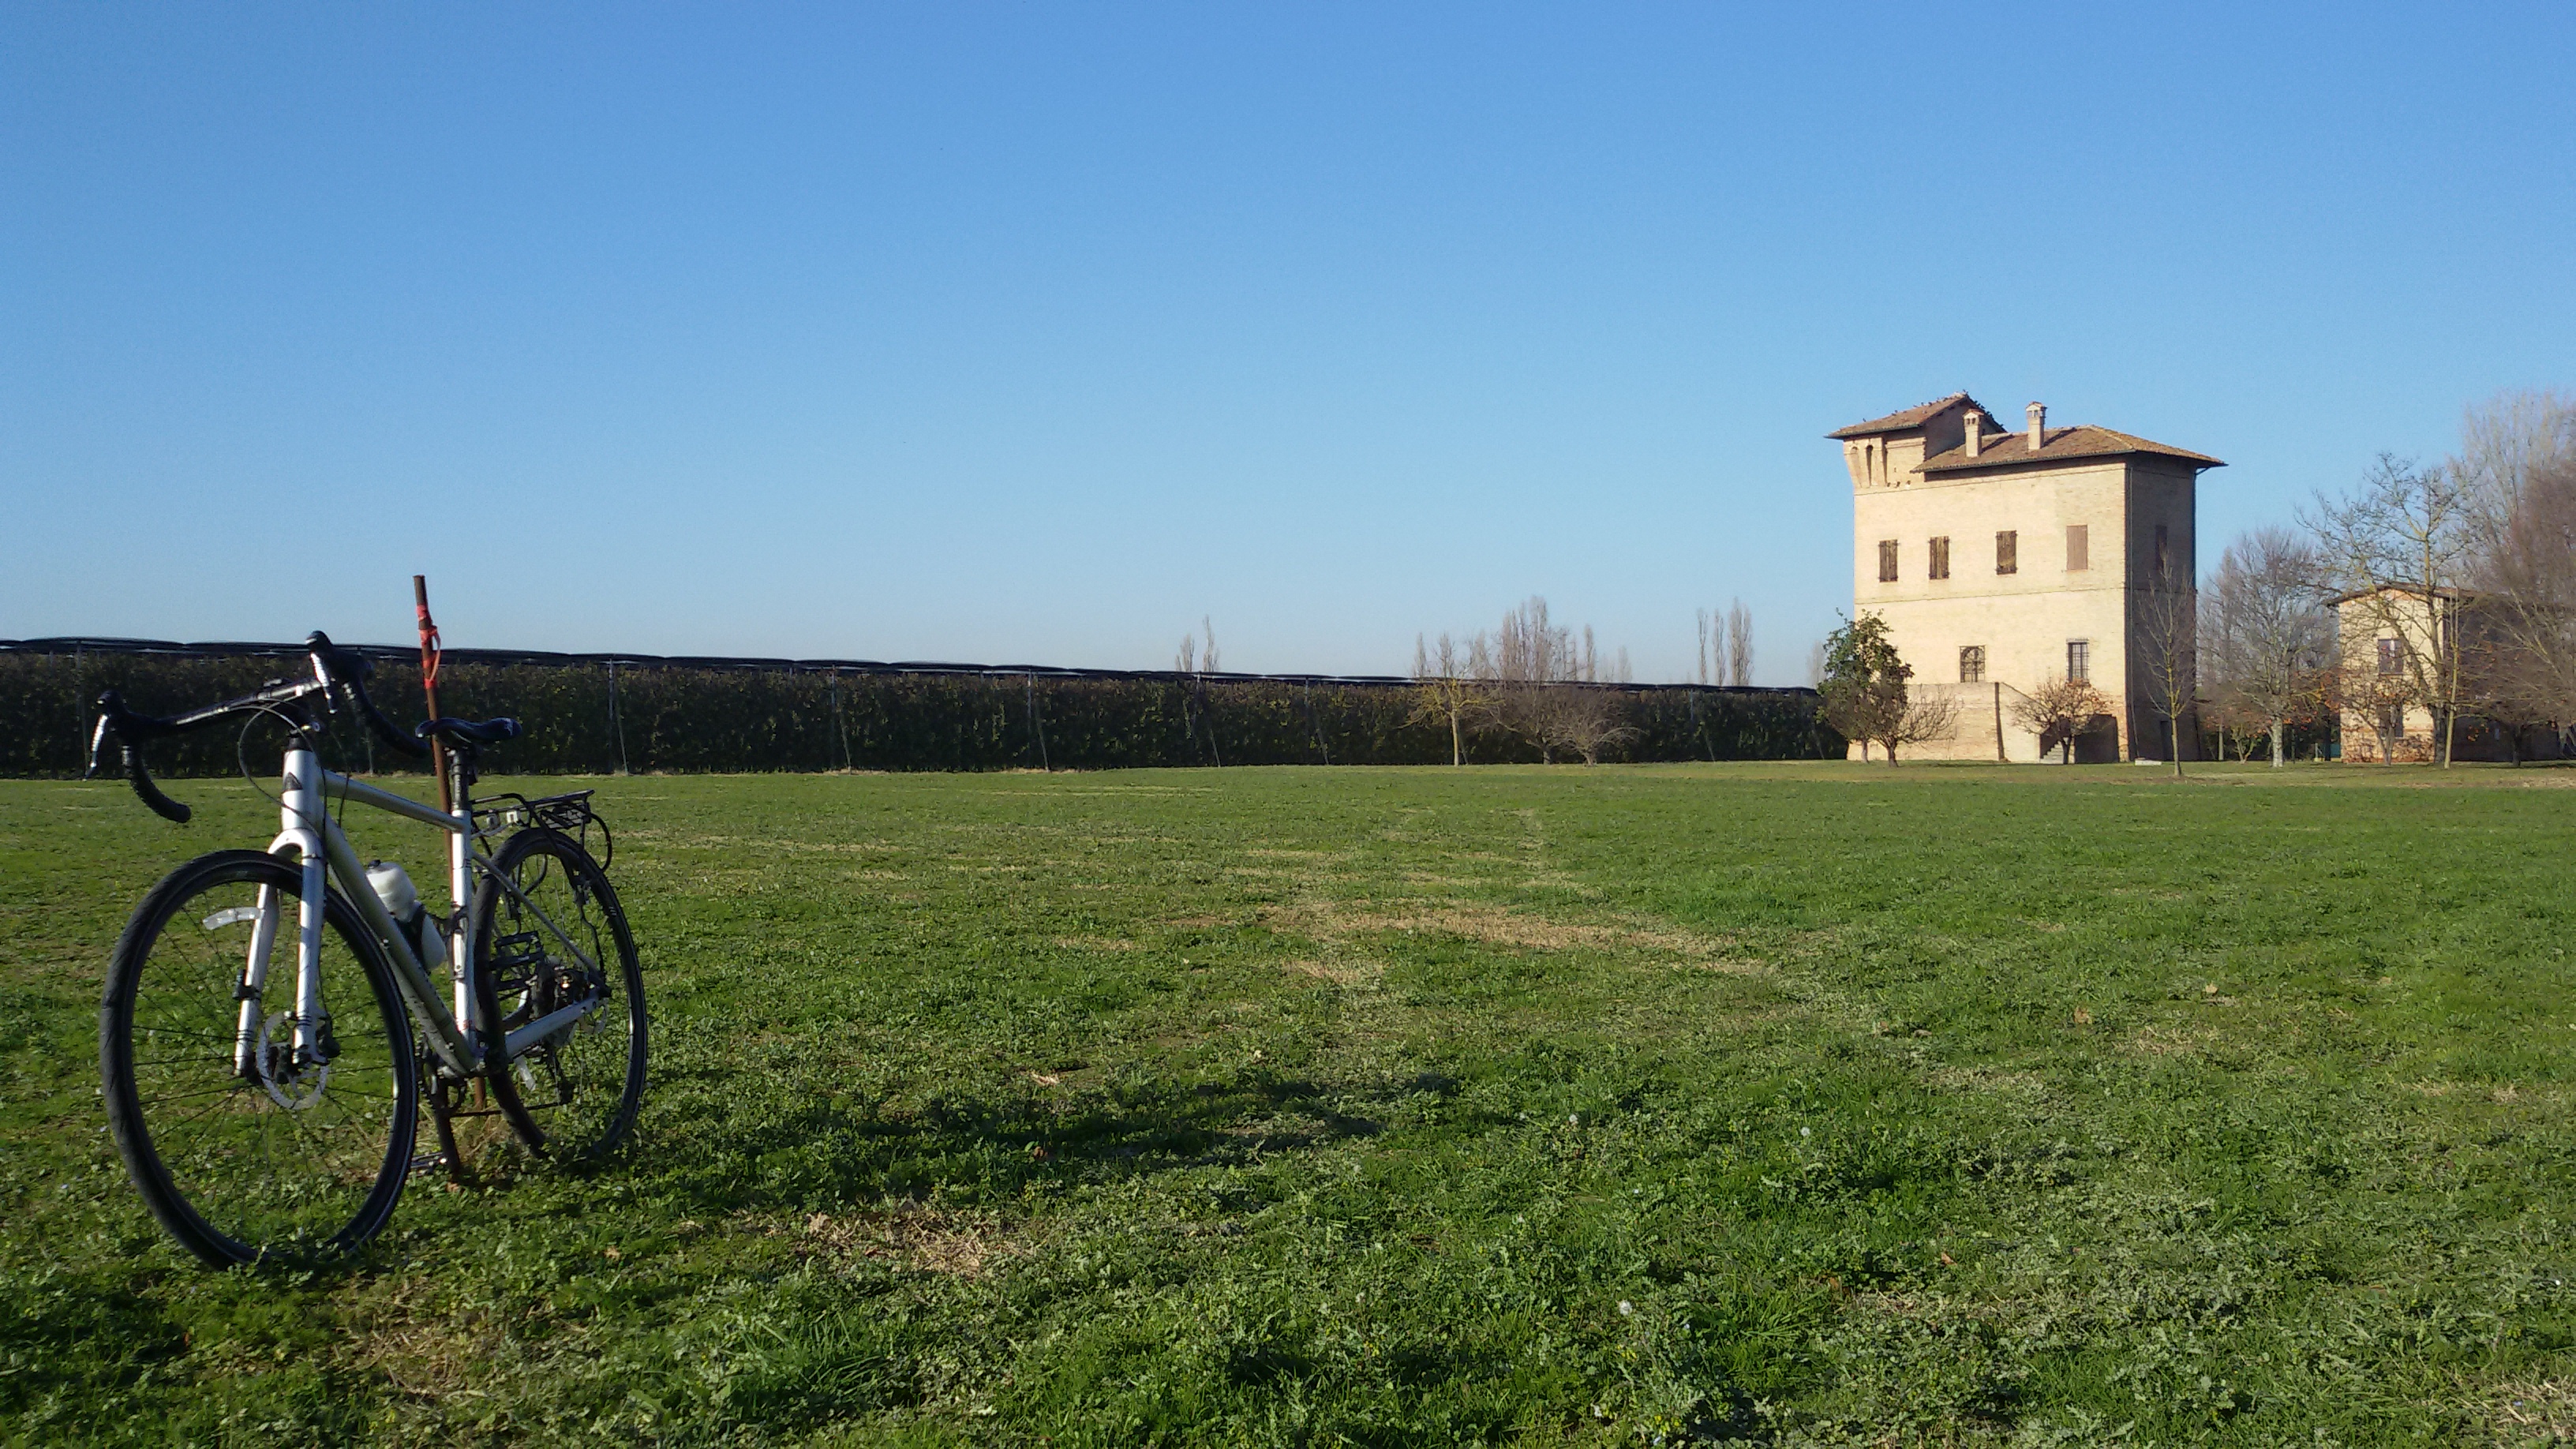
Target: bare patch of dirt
x=423 y=1359
x=2167 y=1041
x=1495 y=925
x=1982 y=1079
x=907 y=1235
x=2532 y=1413
x=1340 y=973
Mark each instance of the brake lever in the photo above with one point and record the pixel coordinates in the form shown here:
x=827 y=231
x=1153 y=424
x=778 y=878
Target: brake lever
x=97 y=747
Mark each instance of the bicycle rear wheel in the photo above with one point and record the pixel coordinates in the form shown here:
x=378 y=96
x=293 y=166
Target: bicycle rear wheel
x=287 y=1156
x=556 y=938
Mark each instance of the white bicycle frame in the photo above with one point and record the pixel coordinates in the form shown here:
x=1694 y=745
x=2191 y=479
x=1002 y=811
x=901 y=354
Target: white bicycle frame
x=308 y=830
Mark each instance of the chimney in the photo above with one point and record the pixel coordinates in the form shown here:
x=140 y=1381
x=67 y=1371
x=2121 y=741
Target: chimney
x=2038 y=425
x=1975 y=434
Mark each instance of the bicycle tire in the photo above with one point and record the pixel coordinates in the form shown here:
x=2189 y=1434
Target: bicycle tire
x=574 y=1097
x=210 y=1170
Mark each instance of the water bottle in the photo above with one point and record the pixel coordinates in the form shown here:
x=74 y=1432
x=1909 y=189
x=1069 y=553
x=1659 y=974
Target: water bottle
x=393 y=886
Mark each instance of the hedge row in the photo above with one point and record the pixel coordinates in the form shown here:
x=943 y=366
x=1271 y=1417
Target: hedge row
x=588 y=719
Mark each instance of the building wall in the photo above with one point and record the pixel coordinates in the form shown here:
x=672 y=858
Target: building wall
x=2024 y=619
x=2359 y=626
x=2162 y=493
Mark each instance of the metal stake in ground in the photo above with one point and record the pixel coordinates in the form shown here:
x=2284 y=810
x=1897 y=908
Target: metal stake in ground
x=429 y=653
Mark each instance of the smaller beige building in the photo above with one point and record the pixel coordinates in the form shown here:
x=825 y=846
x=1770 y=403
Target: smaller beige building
x=2381 y=638
x=2003 y=560
x=2390 y=642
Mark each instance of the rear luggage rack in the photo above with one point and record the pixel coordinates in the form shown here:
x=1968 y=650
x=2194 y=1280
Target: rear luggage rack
x=566 y=814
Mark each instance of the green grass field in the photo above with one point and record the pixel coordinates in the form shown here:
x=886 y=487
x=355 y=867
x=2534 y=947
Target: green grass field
x=1792 y=1104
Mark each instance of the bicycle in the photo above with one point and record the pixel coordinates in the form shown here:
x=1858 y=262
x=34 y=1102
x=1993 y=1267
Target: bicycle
x=278 y=1130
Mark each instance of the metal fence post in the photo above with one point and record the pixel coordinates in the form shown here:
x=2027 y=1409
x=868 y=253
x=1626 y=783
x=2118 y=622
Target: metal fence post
x=1037 y=725
x=617 y=721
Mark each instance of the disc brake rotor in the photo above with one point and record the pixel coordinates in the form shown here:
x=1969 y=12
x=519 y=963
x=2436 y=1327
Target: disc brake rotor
x=291 y=1084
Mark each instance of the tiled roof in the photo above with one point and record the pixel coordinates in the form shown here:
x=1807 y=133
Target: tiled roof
x=2004 y=450
x=1913 y=417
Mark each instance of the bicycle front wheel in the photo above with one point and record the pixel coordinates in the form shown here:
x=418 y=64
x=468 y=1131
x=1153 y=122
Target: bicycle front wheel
x=273 y=1149
x=548 y=936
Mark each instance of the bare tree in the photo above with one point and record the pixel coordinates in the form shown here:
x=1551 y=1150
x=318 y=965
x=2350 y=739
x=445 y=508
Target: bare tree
x=1194 y=657
x=2398 y=550
x=1536 y=686
x=2169 y=639
x=1586 y=719
x=2059 y=711
x=1446 y=687
x=1816 y=665
x=2238 y=728
x=1739 y=644
x=2517 y=469
x=1926 y=717
x=1703 y=646
x=1530 y=652
x=2266 y=643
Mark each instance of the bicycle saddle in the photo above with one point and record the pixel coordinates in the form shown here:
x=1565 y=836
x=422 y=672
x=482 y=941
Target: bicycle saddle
x=467 y=731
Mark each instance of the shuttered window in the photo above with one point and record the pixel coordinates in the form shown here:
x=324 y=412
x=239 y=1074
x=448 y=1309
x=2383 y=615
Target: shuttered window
x=2078 y=548
x=1940 y=568
x=2007 y=545
x=1887 y=560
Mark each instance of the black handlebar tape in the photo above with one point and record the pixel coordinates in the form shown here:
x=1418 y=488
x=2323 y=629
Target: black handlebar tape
x=385 y=729
x=349 y=671
x=149 y=793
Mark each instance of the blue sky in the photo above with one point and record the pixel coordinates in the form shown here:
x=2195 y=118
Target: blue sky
x=1038 y=333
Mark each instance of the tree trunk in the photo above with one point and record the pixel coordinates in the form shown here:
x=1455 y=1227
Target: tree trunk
x=2276 y=744
x=2173 y=727
x=1457 y=741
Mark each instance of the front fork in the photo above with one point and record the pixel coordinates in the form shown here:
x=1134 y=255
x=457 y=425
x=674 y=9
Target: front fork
x=300 y=807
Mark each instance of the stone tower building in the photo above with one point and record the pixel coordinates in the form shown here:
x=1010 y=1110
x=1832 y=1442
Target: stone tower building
x=2005 y=560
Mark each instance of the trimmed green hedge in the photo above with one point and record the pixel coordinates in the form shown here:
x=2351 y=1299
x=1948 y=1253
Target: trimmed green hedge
x=695 y=719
